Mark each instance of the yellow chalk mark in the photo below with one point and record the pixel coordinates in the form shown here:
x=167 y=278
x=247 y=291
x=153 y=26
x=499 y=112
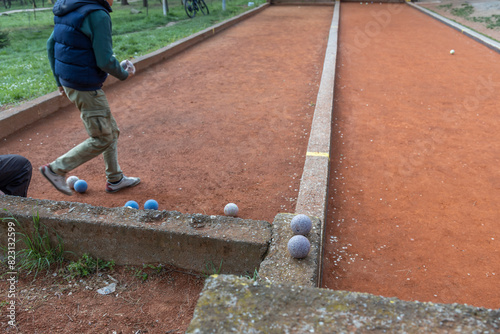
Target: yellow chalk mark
x=318 y=154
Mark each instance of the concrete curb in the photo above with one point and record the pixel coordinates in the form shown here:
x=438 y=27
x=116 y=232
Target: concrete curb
x=490 y=43
x=30 y=112
x=25 y=10
x=313 y=193
x=302 y=3
x=279 y=266
x=127 y=236
x=232 y=304
x=18 y=117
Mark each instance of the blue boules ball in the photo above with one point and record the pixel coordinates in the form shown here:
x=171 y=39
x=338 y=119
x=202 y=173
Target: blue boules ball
x=299 y=246
x=301 y=224
x=132 y=204
x=151 y=204
x=80 y=186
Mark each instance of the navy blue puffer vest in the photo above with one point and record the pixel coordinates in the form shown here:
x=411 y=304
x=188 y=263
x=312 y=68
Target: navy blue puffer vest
x=75 y=63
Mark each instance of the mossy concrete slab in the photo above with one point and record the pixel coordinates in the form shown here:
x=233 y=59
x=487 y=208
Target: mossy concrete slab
x=231 y=304
x=134 y=237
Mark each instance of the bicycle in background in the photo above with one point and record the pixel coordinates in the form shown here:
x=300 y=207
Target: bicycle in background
x=193 y=6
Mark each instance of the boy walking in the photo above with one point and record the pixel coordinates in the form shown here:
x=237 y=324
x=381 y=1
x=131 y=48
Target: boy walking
x=81 y=56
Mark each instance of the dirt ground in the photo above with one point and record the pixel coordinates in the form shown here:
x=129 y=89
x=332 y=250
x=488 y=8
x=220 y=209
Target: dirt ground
x=415 y=181
x=225 y=121
x=161 y=302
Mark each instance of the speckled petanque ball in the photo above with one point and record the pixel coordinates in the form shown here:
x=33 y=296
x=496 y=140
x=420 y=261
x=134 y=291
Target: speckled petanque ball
x=299 y=246
x=70 y=181
x=231 y=209
x=301 y=224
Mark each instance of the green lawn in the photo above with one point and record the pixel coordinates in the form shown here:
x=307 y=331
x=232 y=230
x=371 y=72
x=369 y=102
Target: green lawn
x=24 y=69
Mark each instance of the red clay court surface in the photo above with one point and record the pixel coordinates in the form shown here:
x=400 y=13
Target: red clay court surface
x=226 y=121
x=415 y=146
x=415 y=180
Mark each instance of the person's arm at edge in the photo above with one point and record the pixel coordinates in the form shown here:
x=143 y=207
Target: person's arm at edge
x=52 y=60
x=99 y=24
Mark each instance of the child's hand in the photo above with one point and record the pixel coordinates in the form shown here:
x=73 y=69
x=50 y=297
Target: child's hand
x=61 y=91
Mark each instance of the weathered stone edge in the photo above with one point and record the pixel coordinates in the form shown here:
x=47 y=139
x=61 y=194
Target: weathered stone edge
x=279 y=266
x=193 y=242
x=231 y=304
x=313 y=193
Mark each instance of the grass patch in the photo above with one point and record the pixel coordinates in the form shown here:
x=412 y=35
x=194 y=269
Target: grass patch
x=40 y=252
x=147 y=270
x=4 y=39
x=491 y=22
x=25 y=72
x=88 y=265
x=497 y=20
x=465 y=10
x=211 y=269
x=447 y=6
x=253 y=277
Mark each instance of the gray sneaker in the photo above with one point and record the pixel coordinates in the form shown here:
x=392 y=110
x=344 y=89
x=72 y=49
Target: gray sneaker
x=125 y=182
x=58 y=181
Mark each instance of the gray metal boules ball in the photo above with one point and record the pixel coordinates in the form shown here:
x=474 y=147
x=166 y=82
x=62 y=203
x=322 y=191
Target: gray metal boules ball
x=299 y=246
x=301 y=224
x=231 y=209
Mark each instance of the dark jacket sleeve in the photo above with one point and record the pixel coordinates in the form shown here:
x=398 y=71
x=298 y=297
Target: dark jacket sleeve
x=52 y=60
x=97 y=25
